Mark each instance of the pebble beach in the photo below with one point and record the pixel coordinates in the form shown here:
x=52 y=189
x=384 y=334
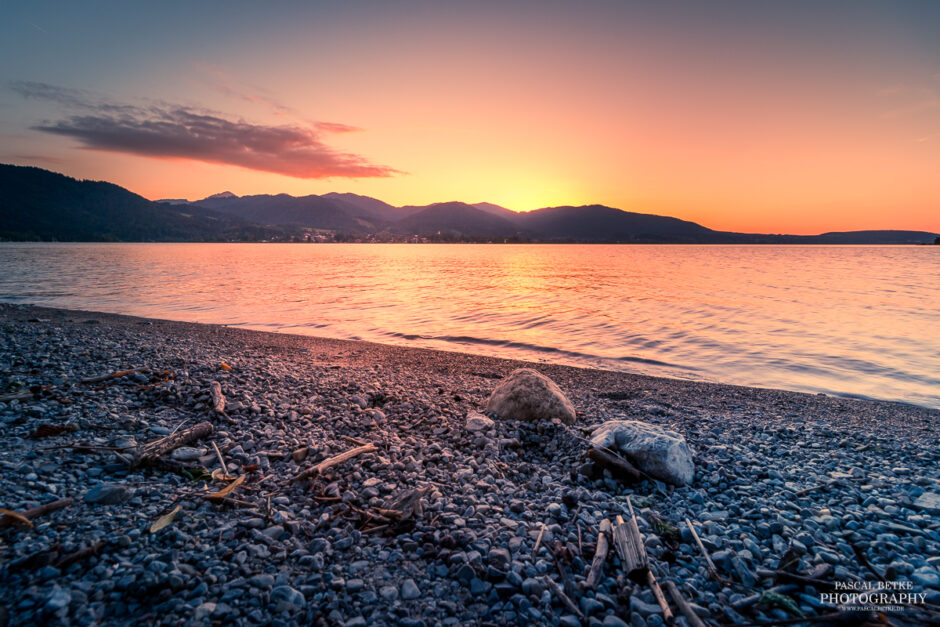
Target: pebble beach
x=497 y=519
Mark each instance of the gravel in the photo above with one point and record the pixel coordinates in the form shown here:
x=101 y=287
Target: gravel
x=775 y=471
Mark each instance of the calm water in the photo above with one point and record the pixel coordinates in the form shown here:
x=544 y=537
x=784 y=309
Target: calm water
x=861 y=321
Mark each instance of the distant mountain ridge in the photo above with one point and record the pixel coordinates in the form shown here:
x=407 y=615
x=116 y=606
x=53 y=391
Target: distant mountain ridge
x=36 y=204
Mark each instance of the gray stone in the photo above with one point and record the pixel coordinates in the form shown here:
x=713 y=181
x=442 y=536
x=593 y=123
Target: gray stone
x=532 y=586
x=591 y=606
x=642 y=608
x=187 y=453
x=388 y=593
x=288 y=595
x=409 y=590
x=204 y=611
x=926 y=576
x=527 y=395
x=499 y=558
x=275 y=532
x=929 y=502
x=108 y=494
x=661 y=454
x=478 y=422
x=59 y=599
x=262 y=581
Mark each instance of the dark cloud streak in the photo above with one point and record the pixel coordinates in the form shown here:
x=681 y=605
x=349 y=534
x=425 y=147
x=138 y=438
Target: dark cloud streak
x=176 y=132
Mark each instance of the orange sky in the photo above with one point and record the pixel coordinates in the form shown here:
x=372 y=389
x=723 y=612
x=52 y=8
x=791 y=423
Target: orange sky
x=790 y=118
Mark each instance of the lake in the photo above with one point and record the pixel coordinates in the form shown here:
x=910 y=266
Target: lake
x=845 y=320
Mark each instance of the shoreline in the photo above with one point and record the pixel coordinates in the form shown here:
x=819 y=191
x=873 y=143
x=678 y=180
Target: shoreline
x=562 y=358
x=765 y=462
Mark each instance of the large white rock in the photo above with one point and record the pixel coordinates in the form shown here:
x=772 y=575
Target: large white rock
x=527 y=395
x=659 y=453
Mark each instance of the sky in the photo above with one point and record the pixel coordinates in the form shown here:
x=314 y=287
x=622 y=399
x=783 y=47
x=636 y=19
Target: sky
x=785 y=117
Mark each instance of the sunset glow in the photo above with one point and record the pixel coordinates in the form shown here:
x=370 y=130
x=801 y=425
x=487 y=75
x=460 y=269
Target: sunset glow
x=792 y=117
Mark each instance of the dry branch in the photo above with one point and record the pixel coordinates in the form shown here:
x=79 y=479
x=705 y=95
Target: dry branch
x=538 y=540
x=564 y=598
x=80 y=554
x=407 y=504
x=683 y=605
x=600 y=554
x=660 y=597
x=218 y=399
x=333 y=461
x=108 y=377
x=708 y=558
x=150 y=452
x=617 y=465
x=34 y=512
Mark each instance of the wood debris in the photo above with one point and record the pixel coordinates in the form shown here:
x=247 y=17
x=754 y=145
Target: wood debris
x=149 y=453
x=618 y=466
x=218 y=399
x=333 y=461
x=600 y=555
x=10 y=517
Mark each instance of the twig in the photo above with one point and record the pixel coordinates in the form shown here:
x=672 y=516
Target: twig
x=333 y=461
x=35 y=512
x=221 y=459
x=108 y=377
x=683 y=605
x=600 y=554
x=565 y=599
x=660 y=597
x=616 y=464
x=218 y=399
x=538 y=541
x=828 y=484
x=860 y=554
x=152 y=451
x=708 y=558
x=80 y=554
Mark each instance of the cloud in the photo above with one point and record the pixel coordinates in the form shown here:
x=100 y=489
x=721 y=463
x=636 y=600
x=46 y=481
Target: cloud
x=176 y=132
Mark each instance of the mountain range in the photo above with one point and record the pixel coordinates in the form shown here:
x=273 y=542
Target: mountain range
x=37 y=204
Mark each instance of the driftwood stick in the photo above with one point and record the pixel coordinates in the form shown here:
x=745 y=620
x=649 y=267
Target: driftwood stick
x=80 y=554
x=828 y=484
x=408 y=504
x=626 y=540
x=538 y=540
x=615 y=464
x=108 y=377
x=218 y=454
x=683 y=605
x=558 y=555
x=860 y=554
x=333 y=461
x=600 y=554
x=35 y=512
x=218 y=399
x=564 y=598
x=660 y=597
x=152 y=451
x=708 y=558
